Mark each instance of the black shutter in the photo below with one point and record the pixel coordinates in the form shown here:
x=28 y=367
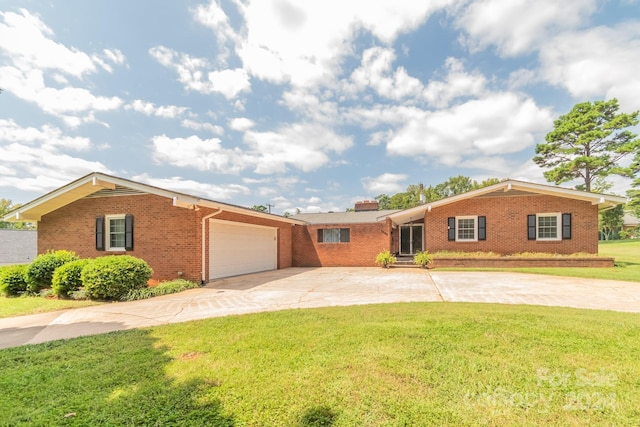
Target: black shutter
x=566 y=226
x=100 y=233
x=531 y=227
x=128 y=232
x=320 y=235
x=345 y=235
x=451 y=227
x=482 y=228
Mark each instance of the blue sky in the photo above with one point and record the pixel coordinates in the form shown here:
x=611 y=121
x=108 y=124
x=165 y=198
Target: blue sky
x=303 y=105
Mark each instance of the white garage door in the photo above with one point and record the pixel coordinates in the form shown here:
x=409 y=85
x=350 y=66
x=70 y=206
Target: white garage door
x=236 y=248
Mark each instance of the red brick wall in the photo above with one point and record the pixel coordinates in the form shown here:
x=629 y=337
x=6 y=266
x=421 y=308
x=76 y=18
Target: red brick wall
x=367 y=240
x=507 y=225
x=166 y=237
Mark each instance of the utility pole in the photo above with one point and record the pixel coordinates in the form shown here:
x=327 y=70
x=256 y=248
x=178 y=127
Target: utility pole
x=269 y=206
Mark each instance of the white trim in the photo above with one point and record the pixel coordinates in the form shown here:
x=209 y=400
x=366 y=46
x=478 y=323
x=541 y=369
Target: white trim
x=107 y=232
x=475 y=228
x=558 y=216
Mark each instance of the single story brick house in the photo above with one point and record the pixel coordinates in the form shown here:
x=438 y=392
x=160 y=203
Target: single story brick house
x=181 y=235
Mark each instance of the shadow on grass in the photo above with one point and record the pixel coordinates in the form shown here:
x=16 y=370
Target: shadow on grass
x=318 y=416
x=112 y=379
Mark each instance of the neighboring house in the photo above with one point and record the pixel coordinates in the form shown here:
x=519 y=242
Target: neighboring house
x=199 y=239
x=18 y=246
x=631 y=224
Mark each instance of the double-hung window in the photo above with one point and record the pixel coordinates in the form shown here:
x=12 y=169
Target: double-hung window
x=334 y=235
x=115 y=232
x=469 y=228
x=549 y=226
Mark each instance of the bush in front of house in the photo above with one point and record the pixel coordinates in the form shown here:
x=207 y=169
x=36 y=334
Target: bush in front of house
x=39 y=273
x=68 y=278
x=164 y=288
x=111 y=277
x=12 y=280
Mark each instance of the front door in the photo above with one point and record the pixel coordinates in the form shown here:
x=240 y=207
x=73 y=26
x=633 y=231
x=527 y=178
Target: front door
x=411 y=239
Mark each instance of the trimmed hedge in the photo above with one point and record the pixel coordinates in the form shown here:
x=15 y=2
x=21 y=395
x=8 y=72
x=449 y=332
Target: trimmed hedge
x=12 y=279
x=164 y=288
x=68 y=278
x=111 y=277
x=39 y=273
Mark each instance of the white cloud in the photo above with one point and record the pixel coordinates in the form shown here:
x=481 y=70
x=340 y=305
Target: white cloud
x=376 y=71
x=304 y=146
x=35 y=159
x=457 y=84
x=208 y=191
x=598 y=62
x=27 y=40
x=150 y=109
x=497 y=124
x=199 y=75
x=387 y=183
x=202 y=154
x=517 y=26
x=214 y=129
x=304 y=43
x=241 y=124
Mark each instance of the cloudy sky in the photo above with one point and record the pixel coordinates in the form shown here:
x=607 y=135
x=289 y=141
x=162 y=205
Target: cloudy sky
x=303 y=105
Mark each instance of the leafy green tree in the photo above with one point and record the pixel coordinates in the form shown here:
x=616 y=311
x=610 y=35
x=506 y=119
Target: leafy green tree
x=610 y=221
x=455 y=185
x=588 y=143
x=259 y=208
x=6 y=207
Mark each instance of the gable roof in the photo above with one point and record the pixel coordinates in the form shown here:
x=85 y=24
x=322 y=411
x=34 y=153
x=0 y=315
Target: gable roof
x=512 y=187
x=93 y=183
x=361 y=217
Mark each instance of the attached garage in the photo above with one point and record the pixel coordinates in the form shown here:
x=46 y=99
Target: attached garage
x=239 y=248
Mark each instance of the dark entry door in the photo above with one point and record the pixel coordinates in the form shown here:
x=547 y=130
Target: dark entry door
x=411 y=240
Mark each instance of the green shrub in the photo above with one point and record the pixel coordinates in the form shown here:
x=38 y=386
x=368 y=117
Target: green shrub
x=39 y=274
x=385 y=259
x=423 y=258
x=12 y=280
x=111 y=277
x=164 y=288
x=67 y=278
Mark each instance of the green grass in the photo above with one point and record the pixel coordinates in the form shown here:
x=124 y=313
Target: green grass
x=627 y=264
x=31 y=305
x=377 y=365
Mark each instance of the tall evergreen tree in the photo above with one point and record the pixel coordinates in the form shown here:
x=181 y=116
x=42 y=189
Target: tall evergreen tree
x=588 y=143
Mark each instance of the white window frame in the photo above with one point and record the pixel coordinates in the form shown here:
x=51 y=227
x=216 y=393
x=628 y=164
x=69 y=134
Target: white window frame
x=558 y=216
x=475 y=228
x=107 y=233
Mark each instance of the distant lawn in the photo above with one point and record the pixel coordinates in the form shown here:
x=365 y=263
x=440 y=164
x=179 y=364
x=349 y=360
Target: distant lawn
x=378 y=365
x=32 y=305
x=627 y=264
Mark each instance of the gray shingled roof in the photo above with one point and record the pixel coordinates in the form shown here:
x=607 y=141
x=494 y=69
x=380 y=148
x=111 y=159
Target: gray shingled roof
x=343 y=217
x=18 y=246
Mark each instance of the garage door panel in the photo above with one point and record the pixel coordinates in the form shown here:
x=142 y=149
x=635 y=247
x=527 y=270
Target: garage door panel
x=236 y=248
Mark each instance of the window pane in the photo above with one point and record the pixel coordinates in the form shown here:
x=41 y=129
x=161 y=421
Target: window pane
x=547 y=227
x=466 y=229
x=116 y=233
x=331 y=235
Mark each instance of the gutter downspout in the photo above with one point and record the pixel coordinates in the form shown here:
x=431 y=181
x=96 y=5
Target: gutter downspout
x=204 y=247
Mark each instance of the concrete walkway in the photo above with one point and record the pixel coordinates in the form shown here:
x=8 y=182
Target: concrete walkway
x=321 y=287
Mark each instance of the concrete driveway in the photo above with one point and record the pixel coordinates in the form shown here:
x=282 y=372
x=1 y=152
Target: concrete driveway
x=321 y=287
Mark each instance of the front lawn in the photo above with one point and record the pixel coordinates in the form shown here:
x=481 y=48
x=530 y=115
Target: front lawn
x=19 y=306
x=377 y=365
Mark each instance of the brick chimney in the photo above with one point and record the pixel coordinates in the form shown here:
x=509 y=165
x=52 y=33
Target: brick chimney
x=366 y=205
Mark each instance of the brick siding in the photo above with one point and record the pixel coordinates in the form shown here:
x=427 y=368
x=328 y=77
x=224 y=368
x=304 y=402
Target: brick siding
x=367 y=240
x=168 y=238
x=507 y=225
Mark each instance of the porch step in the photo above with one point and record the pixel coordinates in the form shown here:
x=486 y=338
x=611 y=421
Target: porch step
x=405 y=261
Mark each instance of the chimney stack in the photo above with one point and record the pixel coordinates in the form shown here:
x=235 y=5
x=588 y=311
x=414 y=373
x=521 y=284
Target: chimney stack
x=366 y=205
